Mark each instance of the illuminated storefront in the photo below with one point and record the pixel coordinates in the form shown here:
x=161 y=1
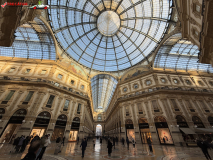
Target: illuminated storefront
x=144 y=130
x=130 y=132
x=74 y=129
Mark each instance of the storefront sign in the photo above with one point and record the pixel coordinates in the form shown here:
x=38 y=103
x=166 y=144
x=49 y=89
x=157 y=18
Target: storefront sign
x=161 y=125
x=183 y=124
x=143 y=125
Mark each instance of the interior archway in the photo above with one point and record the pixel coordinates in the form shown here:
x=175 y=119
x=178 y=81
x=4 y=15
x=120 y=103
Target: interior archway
x=98 y=130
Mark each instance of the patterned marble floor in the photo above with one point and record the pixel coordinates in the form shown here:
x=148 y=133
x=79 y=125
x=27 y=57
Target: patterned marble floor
x=72 y=151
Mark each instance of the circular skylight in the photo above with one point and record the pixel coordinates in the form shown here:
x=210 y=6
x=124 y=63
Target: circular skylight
x=108 y=23
x=109 y=35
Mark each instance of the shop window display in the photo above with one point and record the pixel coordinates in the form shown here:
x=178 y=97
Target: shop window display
x=165 y=136
x=73 y=136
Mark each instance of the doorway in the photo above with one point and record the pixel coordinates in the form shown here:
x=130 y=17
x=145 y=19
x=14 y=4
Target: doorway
x=98 y=130
x=144 y=130
x=73 y=136
x=13 y=126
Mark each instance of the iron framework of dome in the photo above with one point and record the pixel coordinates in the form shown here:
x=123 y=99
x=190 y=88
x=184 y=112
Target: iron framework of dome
x=109 y=35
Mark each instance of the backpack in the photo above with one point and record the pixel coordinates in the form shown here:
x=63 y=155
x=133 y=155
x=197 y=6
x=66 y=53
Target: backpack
x=58 y=140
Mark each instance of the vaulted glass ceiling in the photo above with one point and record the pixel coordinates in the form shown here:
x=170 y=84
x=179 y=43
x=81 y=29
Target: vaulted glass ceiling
x=180 y=54
x=109 y=35
x=32 y=40
x=103 y=87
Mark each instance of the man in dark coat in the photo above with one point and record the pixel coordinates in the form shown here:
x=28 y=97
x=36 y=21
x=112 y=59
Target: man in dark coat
x=109 y=146
x=122 y=141
x=127 y=142
x=204 y=147
x=33 y=149
x=150 y=144
x=63 y=140
x=83 y=145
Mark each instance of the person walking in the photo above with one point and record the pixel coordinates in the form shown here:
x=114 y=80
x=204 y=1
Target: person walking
x=164 y=140
x=83 y=145
x=133 y=142
x=45 y=145
x=114 y=142
x=58 y=146
x=127 y=142
x=94 y=143
x=63 y=140
x=204 y=147
x=42 y=142
x=150 y=144
x=33 y=149
x=101 y=141
x=109 y=146
x=21 y=140
x=122 y=141
x=24 y=144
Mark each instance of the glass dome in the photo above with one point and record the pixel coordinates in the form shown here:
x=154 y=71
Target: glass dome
x=109 y=35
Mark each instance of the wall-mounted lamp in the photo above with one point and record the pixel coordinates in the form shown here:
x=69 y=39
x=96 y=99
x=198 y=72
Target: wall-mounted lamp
x=1 y=120
x=31 y=121
x=212 y=126
x=171 y=126
x=195 y=126
x=178 y=126
x=23 y=121
x=53 y=123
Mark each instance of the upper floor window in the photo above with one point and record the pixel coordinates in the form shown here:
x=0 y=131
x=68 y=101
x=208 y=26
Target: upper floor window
x=50 y=101
x=82 y=86
x=140 y=111
x=60 y=76
x=27 y=70
x=211 y=83
x=188 y=82
x=72 y=81
x=135 y=86
x=163 y=80
x=155 y=106
x=125 y=89
x=200 y=83
x=79 y=108
x=148 y=82
x=127 y=111
x=11 y=70
x=43 y=71
x=8 y=97
x=29 y=96
x=175 y=105
x=175 y=81
x=66 y=105
x=56 y=84
x=197 y=7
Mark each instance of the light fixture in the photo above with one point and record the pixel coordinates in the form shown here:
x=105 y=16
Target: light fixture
x=195 y=126
x=31 y=121
x=1 y=120
x=53 y=123
x=178 y=126
x=23 y=121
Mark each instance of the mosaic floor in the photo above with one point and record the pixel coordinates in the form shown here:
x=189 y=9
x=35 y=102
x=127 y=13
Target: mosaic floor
x=72 y=151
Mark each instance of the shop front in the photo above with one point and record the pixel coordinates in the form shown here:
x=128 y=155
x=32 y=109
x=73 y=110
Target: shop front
x=74 y=130
x=41 y=124
x=59 y=127
x=200 y=128
x=130 y=132
x=163 y=131
x=187 y=133
x=13 y=126
x=144 y=130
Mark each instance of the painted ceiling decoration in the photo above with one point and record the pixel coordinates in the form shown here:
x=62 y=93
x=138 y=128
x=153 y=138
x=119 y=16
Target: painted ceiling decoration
x=103 y=87
x=109 y=35
x=179 y=54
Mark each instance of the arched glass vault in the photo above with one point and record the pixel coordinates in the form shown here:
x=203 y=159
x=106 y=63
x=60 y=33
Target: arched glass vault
x=179 y=54
x=32 y=40
x=109 y=35
x=103 y=87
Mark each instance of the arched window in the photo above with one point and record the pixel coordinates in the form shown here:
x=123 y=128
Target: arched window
x=181 y=121
x=197 y=122
x=160 y=119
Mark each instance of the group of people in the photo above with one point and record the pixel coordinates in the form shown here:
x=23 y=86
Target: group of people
x=20 y=143
x=205 y=145
x=37 y=147
x=128 y=141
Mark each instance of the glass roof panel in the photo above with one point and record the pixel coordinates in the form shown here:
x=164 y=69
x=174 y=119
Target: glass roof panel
x=103 y=87
x=180 y=54
x=32 y=40
x=115 y=34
